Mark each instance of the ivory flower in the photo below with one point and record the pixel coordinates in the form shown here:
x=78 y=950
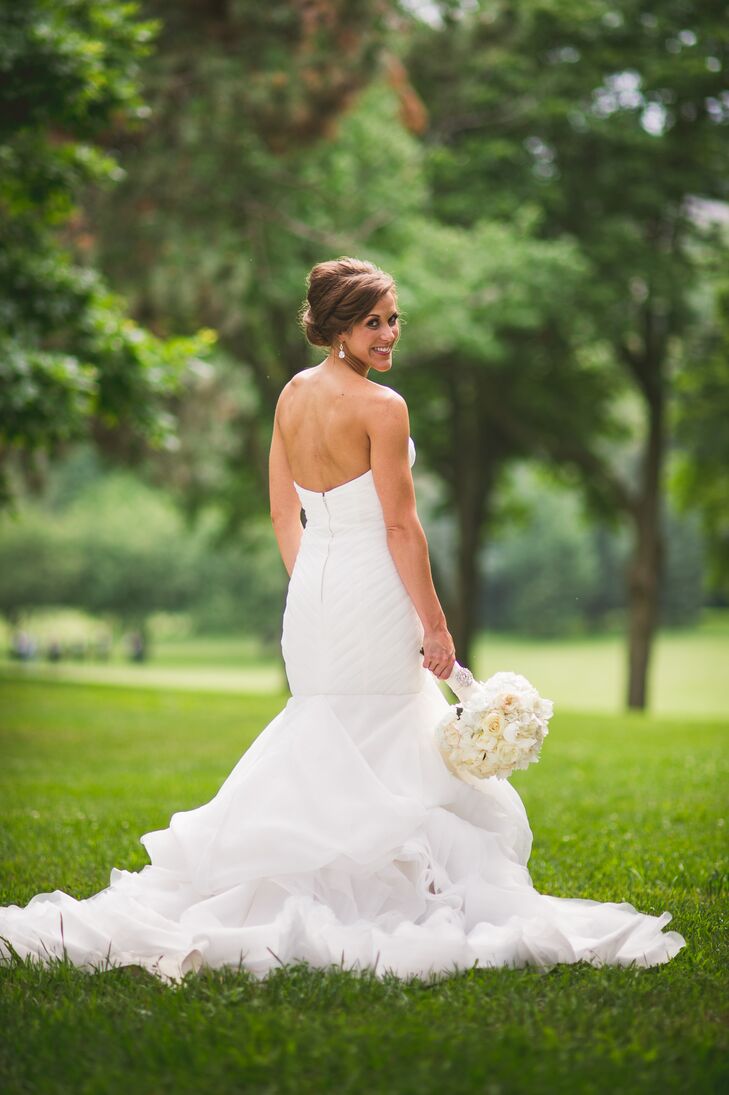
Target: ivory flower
x=499 y=729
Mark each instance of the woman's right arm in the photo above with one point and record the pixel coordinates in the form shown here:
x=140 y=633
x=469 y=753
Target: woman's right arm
x=284 y=501
x=389 y=432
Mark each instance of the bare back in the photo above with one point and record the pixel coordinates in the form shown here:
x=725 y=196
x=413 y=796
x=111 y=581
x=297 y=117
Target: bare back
x=323 y=421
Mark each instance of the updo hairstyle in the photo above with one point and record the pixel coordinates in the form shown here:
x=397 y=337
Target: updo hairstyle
x=339 y=293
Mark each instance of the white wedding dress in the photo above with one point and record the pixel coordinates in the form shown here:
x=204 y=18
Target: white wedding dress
x=340 y=837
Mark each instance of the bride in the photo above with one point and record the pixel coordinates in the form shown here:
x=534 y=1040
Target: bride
x=340 y=836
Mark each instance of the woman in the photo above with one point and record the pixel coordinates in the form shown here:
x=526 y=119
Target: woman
x=340 y=836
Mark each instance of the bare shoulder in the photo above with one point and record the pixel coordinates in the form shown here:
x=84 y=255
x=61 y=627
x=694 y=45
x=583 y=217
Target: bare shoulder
x=302 y=375
x=298 y=379
x=291 y=387
x=388 y=411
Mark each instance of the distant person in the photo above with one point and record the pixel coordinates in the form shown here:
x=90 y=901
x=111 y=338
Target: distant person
x=137 y=647
x=23 y=646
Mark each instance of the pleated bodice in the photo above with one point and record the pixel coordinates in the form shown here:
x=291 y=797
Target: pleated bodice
x=349 y=626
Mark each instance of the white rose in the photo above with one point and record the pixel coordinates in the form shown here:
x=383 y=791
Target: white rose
x=545 y=709
x=511 y=731
x=508 y=702
x=492 y=722
x=450 y=736
x=506 y=754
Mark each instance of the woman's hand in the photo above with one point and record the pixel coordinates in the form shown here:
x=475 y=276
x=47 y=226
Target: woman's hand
x=439 y=654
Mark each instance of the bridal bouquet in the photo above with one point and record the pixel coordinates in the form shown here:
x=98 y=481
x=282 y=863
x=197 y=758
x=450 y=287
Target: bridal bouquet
x=498 y=727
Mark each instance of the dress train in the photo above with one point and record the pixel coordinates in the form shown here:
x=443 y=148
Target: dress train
x=340 y=837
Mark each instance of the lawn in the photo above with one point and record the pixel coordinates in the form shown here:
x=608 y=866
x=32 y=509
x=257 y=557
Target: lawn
x=688 y=673
x=623 y=808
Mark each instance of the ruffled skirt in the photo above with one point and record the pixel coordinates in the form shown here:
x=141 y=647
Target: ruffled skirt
x=339 y=838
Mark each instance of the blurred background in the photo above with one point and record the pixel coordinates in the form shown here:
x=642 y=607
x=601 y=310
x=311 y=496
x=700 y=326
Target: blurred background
x=548 y=182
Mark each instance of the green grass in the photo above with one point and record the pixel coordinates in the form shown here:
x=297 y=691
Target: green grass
x=688 y=675
x=623 y=808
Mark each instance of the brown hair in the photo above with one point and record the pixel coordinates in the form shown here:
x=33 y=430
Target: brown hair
x=338 y=293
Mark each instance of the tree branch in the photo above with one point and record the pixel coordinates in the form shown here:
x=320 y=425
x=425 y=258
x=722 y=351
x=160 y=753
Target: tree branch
x=567 y=450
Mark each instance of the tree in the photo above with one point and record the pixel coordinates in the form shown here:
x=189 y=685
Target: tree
x=38 y=565
x=252 y=172
x=72 y=362
x=119 y=548
x=610 y=117
x=701 y=472
x=274 y=141
x=231 y=244
x=485 y=318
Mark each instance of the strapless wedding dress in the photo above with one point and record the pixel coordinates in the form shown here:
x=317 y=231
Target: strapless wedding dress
x=340 y=836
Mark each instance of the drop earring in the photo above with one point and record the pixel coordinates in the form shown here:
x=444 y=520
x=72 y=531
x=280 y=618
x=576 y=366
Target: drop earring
x=341 y=350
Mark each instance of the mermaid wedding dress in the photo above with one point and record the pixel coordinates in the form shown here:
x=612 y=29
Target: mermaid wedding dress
x=340 y=837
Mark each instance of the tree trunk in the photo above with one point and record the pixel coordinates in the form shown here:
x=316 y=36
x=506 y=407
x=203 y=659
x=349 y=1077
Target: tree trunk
x=646 y=564
x=471 y=494
x=463 y=625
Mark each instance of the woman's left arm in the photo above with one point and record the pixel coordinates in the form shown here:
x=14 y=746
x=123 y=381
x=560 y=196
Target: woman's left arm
x=284 y=501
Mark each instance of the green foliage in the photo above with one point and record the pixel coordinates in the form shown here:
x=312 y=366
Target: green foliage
x=467 y=293
x=118 y=548
x=80 y=61
x=546 y=234
x=522 y=269
x=611 y=119
x=701 y=469
x=554 y=571
x=608 y=119
x=72 y=361
x=232 y=242
x=229 y=192
x=117 y=551
x=544 y=571
x=623 y=808
x=37 y=565
x=284 y=71
x=109 y=368
x=489 y=310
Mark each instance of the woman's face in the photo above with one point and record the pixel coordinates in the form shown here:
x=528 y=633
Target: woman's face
x=373 y=337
